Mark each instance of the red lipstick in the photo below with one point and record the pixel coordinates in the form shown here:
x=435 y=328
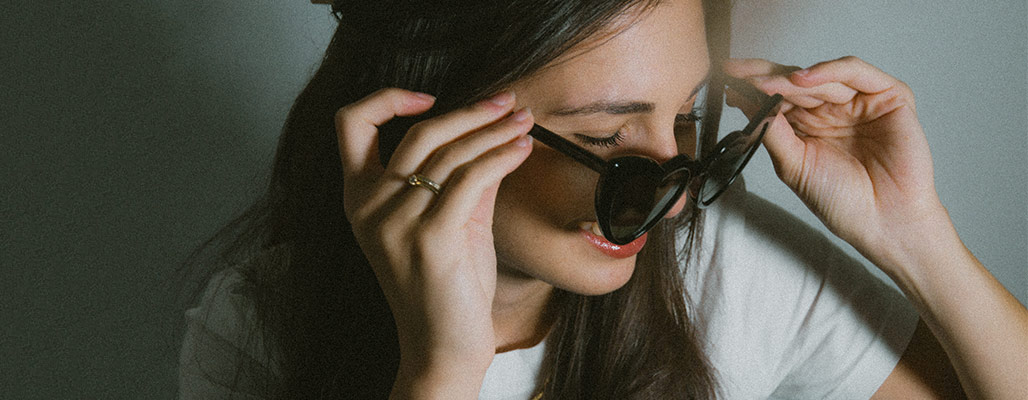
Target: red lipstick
x=611 y=249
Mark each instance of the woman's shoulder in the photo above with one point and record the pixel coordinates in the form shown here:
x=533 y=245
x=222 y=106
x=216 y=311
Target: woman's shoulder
x=784 y=311
x=223 y=352
x=747 y=243
x=744 y=225
x=224 y=308
x=745 y=239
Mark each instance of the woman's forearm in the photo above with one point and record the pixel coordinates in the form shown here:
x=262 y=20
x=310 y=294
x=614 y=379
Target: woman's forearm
x=982 y=327
x=423 y=382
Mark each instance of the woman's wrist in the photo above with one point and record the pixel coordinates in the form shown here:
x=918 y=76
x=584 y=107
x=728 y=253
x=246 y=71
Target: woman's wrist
x=910 y=247
x=438 y=379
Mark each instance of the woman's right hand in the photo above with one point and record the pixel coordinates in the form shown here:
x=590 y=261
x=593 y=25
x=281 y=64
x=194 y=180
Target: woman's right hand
x=433 y=255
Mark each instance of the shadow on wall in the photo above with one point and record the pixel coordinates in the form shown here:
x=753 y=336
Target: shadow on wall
x=131 y=131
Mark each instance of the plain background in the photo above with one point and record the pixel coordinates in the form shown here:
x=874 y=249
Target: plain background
x=130 y=131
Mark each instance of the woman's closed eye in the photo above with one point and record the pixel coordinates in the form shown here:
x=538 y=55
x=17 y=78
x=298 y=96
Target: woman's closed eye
x=687 y=120
x=609 y=141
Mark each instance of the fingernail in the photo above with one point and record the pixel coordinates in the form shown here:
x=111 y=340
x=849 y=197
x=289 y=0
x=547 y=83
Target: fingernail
x=801 y=72
x=503 y=98
x=524 y=141
x=521 y=114
x=425 y=96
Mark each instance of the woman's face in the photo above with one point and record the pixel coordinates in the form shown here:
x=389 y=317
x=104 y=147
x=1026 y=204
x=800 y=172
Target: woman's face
x=634 y=81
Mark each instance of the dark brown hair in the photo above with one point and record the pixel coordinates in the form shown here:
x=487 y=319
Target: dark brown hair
x=318 y=304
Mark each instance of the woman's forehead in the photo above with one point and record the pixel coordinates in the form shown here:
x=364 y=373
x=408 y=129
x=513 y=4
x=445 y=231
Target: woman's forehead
x=664 y=46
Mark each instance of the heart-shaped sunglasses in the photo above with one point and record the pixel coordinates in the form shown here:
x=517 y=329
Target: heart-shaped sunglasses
x=635 y=192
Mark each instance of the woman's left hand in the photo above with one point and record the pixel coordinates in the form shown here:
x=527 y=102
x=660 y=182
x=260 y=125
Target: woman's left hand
x=849 y=144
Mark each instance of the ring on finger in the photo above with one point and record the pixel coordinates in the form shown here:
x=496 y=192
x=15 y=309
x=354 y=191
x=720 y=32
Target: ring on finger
x=422 y=181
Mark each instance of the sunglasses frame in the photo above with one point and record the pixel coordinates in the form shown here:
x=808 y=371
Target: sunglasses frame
x=696 y=169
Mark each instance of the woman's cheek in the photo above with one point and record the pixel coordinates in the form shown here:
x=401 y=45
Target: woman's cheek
x=538 y=208
x=549 y=187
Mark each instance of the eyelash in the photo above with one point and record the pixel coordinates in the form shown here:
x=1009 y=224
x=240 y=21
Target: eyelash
x=609 y=141
x=614 y=140
x=696 y=115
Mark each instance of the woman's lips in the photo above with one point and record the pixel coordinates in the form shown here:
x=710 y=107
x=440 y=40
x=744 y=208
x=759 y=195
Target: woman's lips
x=591 y=232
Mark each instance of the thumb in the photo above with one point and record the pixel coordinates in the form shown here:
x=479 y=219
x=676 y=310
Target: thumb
x=786 y=150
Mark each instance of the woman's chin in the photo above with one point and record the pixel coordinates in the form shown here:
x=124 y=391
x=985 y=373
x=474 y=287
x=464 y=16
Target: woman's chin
x=600 y=278
x=573 y=260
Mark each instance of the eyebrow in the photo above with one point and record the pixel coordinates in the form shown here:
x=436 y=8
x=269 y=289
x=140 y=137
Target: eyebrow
x=618 y=107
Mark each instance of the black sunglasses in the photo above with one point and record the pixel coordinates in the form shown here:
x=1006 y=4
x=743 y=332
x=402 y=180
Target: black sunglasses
x=635 y=192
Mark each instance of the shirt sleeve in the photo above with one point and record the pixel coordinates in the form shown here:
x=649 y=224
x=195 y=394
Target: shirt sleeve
x=222 y=356
x=786 y=314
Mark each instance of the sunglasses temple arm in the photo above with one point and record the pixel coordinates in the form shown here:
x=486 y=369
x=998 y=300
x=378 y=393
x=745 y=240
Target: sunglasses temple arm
x=768 y=110
x=746 y=89
x=572 y=150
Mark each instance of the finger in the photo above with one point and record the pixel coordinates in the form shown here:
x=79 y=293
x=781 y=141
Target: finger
x=806 y=97
x=451 y=156
x=748 y=67
x=785 y=148
x=850 y=71
x=414 y=201
x=357 y=126
x=427 y=136
x=464 y=192
x=770 y=78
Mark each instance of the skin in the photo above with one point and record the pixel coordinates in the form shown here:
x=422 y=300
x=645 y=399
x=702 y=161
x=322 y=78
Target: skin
x=544 y=248
x=470 y=270
x=850 y=146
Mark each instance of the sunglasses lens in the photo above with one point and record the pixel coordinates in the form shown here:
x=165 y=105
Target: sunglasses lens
x=729 y=158
x=634 y=195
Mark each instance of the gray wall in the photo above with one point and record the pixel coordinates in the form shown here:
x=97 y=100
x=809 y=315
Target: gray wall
x=131 y=130
x=967 y=63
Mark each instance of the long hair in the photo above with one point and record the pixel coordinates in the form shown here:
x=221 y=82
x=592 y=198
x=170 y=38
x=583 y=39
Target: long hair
x=318 y=305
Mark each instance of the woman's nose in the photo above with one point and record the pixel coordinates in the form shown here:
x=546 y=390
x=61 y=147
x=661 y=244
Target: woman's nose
x=660 y=145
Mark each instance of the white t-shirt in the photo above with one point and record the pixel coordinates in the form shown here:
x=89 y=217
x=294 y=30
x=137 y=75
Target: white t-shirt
x=782 y=313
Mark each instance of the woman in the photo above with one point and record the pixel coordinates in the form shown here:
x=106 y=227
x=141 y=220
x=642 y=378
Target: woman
x=419 y=246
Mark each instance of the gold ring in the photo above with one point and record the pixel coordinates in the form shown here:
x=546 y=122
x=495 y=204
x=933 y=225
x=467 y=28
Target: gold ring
x=421 y=181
